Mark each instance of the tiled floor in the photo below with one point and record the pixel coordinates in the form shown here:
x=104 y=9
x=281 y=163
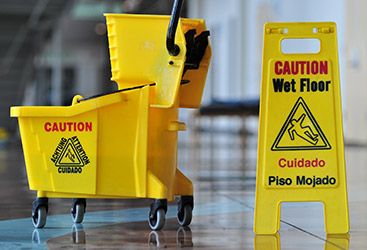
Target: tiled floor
x=222 y=166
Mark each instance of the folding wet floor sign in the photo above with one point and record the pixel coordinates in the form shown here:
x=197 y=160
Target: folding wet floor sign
x=301 y=149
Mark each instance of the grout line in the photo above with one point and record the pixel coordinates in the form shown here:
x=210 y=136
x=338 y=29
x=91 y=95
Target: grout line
x=312 y=234
x=287 y=223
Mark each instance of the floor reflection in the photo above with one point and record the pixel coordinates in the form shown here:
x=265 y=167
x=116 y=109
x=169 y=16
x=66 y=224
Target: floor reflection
x=160 y=239
x=78 y=234
x=272 y=242
x=267 y=242
x=180 y=238
x=337 y=241
x=36 y=238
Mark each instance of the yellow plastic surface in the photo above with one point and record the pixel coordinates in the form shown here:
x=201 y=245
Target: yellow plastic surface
x=121 y=149
x=191 y=93
x=301 y=148
x=139 y=56
x=122 y=144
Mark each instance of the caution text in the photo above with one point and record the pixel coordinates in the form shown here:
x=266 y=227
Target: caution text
x=301 y=67
x=68 y=126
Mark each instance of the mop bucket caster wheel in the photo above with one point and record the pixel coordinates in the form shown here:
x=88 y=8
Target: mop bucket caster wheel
x=39 y=217
x=157 y=214
x=78 y=210
x=157 y=220
x=184 y=211
x=184 y=216
x=39 y=212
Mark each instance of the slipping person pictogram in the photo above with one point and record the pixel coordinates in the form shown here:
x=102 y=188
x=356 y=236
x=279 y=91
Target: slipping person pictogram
x=304 y=132
x=70 y=155
x=300 y=131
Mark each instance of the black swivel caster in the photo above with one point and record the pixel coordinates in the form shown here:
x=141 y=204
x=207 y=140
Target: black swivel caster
x=39 y=212
x=157 y=214
x=78 y=210
x=184 y=211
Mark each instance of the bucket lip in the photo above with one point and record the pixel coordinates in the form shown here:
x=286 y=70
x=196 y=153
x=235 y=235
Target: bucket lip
x=65 y=111
x=146 y=16
x=137 y=16
x=73 y=110
x=34 y=111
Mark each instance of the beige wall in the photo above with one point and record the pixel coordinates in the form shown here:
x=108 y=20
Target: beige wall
x=355 y=87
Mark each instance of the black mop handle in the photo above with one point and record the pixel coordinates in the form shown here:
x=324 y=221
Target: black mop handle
x=173 y=49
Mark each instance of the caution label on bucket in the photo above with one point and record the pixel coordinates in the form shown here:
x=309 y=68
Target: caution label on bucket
x=68 y=126
x=301 y=149
x=70 y=156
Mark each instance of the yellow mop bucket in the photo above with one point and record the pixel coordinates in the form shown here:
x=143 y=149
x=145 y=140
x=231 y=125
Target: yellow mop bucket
x=122 y=144
x=61 y=145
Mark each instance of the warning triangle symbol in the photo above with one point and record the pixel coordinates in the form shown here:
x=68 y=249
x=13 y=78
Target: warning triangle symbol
x=69 y=156
x=300 y=131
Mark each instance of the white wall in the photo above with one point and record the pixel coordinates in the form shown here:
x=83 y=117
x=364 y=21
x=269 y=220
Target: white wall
x=356 y=72
x=226 y=23
x=83 y=51
x=237 y=26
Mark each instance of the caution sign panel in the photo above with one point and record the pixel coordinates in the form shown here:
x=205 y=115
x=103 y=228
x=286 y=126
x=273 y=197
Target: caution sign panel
x=301 y=148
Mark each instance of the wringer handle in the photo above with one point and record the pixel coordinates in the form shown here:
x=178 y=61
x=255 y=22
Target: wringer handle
x=173 y=49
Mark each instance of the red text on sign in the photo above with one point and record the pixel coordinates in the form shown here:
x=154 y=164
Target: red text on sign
x=301 y=67
x=301 y=163
x=68 y=126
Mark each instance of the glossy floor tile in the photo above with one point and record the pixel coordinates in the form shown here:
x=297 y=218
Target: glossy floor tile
x=222 y=167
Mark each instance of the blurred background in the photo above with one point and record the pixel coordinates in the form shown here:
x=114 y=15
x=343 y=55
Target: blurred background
x=51 y=50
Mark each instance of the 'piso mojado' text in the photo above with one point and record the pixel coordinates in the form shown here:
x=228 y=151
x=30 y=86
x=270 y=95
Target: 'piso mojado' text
x=301 y=180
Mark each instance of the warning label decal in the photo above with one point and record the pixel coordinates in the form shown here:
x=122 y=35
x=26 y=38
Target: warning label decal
x=300 y=131
x=70 y=156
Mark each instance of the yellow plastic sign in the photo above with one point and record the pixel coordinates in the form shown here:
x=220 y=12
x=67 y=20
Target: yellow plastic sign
x=301 y=149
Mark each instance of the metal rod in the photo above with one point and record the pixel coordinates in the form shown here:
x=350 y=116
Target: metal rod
x=173 y=49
